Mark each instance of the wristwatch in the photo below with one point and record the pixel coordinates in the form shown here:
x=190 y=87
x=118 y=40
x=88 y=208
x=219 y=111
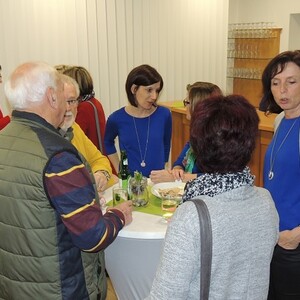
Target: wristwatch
x=106 y=174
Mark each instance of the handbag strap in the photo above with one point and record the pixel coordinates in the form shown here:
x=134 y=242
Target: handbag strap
x=206 y=247
x=97 y=125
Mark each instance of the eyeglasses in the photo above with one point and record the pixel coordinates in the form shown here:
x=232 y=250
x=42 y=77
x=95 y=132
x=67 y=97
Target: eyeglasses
x=72 y=102
x=186 y=102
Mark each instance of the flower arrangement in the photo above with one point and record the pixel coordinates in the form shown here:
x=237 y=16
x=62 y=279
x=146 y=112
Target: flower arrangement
x=138 y=189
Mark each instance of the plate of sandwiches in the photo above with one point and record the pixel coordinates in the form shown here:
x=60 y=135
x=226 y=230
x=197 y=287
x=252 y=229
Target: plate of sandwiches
x=173 y=189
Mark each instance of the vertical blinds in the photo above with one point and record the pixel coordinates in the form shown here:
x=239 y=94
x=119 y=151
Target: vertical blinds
x=185 y=40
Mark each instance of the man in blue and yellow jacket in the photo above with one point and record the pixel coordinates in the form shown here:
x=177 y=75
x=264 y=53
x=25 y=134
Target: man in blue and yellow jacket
x=51 y=224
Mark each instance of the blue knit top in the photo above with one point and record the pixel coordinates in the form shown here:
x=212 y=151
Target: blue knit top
x=132 y=134
x=284 y=186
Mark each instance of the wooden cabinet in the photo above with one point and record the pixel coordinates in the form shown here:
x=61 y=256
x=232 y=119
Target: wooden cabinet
x=249 y=51
x=181 y=133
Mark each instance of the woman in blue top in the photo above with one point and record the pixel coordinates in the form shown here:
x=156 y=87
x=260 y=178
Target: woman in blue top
x=143 y=128
x=281 y=87
x=185 y=168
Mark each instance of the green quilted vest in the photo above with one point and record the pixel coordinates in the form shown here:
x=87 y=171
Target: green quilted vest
x=37 y=257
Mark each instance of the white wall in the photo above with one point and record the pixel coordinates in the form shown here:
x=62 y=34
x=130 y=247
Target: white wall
x=276 y=11
x=294 y=32
x=185 y=40
x=52 y=31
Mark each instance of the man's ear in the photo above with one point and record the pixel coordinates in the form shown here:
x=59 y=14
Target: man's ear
x=133 y=89
x=51 y=97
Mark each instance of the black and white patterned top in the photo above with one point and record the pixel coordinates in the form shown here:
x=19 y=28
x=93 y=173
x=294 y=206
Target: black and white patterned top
x=214 y=184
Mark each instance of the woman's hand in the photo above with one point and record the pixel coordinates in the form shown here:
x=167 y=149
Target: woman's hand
x=178 y=173
x=161 y=176
x=289 y=239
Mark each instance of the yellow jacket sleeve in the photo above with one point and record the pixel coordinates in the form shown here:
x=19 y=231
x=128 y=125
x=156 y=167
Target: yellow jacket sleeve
x=94 y=157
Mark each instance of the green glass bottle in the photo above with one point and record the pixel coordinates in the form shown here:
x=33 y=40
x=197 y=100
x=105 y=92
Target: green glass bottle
x=124 y=172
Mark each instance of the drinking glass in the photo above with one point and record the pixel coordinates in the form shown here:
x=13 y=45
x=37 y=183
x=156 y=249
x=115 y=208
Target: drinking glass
x=168 y=206
x=119 y=195
x=138 y=191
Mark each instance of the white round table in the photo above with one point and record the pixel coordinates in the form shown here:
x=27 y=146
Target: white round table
x=132 y=259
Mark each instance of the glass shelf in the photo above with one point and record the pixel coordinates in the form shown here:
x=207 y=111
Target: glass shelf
x=244 y=73
x=232 y=77
x=252 y=58
x=251 y=38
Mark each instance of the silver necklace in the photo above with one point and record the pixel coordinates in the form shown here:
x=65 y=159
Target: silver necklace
x=272 y=159
x=143 y=163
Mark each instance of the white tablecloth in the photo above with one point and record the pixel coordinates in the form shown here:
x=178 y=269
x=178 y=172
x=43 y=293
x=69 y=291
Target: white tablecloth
x=132 y=259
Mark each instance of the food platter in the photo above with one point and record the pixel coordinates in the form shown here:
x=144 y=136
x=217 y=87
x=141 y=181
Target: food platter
x=174 y=189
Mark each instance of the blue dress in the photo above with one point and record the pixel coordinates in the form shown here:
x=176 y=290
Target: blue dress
x=284 y=186
x=120 y=124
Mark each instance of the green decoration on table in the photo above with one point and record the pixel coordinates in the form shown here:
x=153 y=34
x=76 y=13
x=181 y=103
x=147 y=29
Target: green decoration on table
x=137 y=187
x=153 y=207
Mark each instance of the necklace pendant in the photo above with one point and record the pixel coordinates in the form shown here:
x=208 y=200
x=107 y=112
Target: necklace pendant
x=143 y=164
x=271 y=175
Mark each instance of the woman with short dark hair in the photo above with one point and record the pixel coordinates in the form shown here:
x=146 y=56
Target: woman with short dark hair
x=143 y=128
x=244 y=221
x=281 y=85
x=233 y=123
x=143 y=75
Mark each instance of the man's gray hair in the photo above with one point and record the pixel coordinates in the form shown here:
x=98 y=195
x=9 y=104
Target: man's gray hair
x=28 y=84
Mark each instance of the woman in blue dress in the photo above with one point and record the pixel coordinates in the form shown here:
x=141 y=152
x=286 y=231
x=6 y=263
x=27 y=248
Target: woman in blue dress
x=143 y=128
x=185 y=167
x=281 y=87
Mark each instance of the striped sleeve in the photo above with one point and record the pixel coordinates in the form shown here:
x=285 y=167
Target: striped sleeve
x=71 y=193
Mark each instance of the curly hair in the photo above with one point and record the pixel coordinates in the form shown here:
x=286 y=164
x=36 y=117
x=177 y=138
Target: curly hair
x=274 y=67
x=144 y=75
x=223 y=133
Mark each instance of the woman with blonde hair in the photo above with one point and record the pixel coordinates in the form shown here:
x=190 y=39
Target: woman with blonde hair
x=185 y=168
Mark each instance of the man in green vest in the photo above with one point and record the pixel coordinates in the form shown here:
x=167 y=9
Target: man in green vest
x=51 y=224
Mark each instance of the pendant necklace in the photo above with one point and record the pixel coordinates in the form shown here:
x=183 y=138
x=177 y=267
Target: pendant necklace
x=272 y=159
x=143 y=163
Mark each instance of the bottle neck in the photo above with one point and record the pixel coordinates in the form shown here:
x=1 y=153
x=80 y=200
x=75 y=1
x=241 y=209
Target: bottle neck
x=124 y=167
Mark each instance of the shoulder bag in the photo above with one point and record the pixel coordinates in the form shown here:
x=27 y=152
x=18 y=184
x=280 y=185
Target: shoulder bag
x=206 y=247
x=97 y=126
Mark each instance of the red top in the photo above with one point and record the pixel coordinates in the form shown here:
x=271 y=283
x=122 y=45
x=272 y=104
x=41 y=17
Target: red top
x=86 y=120
x=3 y=120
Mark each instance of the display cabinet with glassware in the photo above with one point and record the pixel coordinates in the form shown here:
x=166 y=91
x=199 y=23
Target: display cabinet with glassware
x=250 y=47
